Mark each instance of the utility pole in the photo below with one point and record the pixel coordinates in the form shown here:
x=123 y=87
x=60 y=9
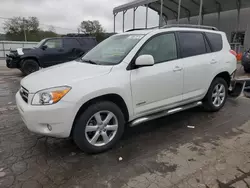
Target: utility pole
x=24 y=31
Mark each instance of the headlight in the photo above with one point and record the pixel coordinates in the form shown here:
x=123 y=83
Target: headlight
x=50 y=96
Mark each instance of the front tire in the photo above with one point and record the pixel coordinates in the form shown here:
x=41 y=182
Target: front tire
x=216 y=95
x=29 y=66
x=99 y=127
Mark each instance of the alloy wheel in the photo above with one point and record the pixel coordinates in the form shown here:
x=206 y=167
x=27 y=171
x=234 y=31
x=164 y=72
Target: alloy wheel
x=101 y=128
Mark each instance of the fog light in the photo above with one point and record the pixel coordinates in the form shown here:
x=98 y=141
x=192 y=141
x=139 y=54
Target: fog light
x=49 y=127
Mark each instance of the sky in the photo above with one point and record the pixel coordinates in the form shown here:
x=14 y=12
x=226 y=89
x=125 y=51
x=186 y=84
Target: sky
x=66 y=15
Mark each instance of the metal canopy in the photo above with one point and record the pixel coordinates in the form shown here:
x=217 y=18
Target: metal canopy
x=188 y=8
x=177 y=9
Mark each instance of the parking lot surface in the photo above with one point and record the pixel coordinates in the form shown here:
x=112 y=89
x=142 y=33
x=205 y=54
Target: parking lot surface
x=189 y=149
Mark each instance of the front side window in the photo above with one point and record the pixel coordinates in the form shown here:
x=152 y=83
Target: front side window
x=40 y=44
x=112 y=50
x=53 y=43
x=162 y=48
x=192 y=44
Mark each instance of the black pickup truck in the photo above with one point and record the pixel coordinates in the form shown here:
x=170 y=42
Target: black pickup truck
x=48 y=52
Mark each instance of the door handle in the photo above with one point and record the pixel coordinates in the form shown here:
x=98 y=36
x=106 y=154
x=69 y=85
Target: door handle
x=213 y=61
x=177 y=68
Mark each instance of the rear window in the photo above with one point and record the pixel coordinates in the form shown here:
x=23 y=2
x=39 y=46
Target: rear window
x=215 y=41
x=192 y=44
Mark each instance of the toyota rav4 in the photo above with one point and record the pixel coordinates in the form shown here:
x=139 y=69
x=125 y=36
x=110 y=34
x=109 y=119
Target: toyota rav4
x=128 y=79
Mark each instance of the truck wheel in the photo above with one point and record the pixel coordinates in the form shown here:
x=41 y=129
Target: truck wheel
x=99 y=127
x=216 y=95
x=29 y=66
x=246 y=70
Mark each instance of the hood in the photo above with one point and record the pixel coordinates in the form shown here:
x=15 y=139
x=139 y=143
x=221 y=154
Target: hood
x=23 y=51
x=63 y=74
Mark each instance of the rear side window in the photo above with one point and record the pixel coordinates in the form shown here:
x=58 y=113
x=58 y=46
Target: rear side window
x=71 y=43
x=88 y=42
x=215 y=41
x=192 y=44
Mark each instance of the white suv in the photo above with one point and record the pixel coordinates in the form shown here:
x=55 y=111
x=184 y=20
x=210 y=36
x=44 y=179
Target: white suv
x=128 y=79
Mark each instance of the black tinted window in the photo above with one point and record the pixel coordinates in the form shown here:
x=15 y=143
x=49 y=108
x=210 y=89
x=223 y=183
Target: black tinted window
x=192 y=44
x=68 y=43
x=53 y=43
x=215 y=41
x=88 y=42
x=162 y=48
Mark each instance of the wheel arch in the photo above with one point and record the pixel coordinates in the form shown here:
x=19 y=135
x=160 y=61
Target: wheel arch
x=115 y=98
x=30 y=57
x=226 y=76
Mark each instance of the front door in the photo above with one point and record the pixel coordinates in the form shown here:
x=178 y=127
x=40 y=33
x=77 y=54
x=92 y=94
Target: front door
x=54 y=53
x=159 y=86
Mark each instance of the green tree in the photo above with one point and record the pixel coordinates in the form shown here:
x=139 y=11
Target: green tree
x=21 y=29
x=18 y=28
x=93 y=28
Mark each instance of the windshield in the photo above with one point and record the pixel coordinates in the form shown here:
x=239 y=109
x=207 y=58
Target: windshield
x=113 y=50
x=40 y=43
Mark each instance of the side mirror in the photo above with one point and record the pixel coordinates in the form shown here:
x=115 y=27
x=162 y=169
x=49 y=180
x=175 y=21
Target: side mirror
x=44 y=47
x=145 y=60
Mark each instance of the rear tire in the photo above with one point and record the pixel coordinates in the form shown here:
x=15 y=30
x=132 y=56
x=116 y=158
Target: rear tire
x=216 y=95
x=247 y=70
x=29 y=66
x=91 y=124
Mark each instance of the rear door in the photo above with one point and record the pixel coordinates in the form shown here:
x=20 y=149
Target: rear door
x=72 y=48
x=54 y=53
x=216 y=44
x=197 y=64
x=87 y=43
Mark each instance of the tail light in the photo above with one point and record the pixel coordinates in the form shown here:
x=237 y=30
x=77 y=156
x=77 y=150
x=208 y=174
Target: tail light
x=233 y=52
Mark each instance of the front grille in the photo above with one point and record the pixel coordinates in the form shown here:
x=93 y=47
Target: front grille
x=24 y=94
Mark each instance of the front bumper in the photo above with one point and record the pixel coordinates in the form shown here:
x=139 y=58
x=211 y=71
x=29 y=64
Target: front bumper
x=12 y=62
x=51 y=120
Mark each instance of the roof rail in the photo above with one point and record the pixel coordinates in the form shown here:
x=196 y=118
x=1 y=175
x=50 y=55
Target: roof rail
x=191 y=26
x=136 y=29
x=78 y=35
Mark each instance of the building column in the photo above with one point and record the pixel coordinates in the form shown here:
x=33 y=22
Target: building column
x=219 y=20
x=146 y=24
x=179 y=11
x=238 y=14
x=200 y=13
x=134 y=10
x=114 y=20
x=161 y=13
x=123 y=20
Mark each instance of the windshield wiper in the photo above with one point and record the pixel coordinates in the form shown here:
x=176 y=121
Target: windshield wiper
x=89 y=61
